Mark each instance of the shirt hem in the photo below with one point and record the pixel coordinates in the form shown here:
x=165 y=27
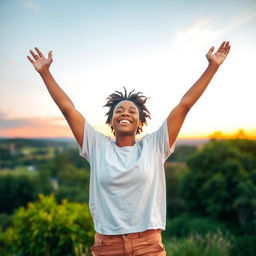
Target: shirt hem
x=162 y=227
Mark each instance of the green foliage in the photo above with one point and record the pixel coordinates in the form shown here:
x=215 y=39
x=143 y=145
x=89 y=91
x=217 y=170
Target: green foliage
x=69 y=157
x=221 y=182
x=197 y=245
x=184 y=225
x=31 y=152
x=6 y=239
x=182 y=153
x=5 y=221
x=45 y=228
x=18 y=189
x=73 y=184
x=175 y=203
x=244 y=245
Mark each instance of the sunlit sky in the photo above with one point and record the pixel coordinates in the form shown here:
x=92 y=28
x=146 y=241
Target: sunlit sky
x=157 y=47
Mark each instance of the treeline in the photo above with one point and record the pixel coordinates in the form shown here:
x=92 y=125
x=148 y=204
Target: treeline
x=211 y=207
x=31 y=152
x=215 y=191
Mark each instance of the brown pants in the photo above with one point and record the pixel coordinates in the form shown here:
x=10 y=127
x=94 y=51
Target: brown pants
x=147 y=243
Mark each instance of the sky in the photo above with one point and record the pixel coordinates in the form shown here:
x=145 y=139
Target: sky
x=156 y=47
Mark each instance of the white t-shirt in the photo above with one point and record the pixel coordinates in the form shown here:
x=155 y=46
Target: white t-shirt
x=127 y=184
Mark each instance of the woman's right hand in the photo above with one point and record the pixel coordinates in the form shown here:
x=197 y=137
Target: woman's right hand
x=39 y=62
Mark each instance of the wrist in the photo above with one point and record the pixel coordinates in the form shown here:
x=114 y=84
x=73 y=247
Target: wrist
x=43 y=71
x=213 y=65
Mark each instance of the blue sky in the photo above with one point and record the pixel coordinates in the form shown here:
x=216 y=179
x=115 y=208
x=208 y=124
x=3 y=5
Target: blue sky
x=157 y=47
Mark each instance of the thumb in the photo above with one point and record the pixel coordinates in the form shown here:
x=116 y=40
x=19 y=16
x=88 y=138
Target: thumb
x=211 y=50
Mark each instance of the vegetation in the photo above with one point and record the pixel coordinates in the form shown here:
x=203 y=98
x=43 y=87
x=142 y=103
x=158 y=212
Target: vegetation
x=198 y=245
x=45 y=228
x=211 y=204
x=221 y=183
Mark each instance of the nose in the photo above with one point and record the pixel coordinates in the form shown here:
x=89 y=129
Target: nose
x=125 y=113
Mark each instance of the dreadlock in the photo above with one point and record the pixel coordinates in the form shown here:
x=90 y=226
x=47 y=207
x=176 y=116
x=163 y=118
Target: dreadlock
x=137 y=98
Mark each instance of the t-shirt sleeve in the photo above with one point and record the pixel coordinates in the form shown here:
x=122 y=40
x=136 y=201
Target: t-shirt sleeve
x=91 y=140
x=160 y=141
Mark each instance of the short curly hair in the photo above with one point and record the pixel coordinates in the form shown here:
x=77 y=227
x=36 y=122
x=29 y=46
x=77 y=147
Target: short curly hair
x=137 y=98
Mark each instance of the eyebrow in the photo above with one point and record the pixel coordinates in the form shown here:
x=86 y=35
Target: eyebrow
x=123 y=107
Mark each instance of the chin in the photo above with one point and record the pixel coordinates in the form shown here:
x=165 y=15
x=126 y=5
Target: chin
x=125 y=133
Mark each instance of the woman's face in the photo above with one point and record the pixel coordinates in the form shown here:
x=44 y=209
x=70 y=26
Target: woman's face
x=126 y=118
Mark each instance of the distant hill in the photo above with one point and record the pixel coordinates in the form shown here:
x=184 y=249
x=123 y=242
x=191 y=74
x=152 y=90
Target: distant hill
x=192 y=142
x=37 y=142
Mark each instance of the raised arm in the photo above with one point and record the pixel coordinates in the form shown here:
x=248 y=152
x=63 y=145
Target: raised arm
x=73 y=117
x=178 y=114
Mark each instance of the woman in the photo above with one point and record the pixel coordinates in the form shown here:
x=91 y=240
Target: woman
x=127 y=181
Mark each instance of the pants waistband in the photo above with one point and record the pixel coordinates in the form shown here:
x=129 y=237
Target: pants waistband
x=132 y=235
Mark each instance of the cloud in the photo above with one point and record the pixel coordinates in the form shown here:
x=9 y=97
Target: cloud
x=5 y=122
x=9 y=62
x=241 y=20
x=32 y=127
x=205 y=30
x=30 y=5
x=200 y=31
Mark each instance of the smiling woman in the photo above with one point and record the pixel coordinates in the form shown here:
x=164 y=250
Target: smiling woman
x=127 y=184
x=127 y=111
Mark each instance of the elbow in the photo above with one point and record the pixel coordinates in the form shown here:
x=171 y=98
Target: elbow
x=185 y=107
x=66 y=110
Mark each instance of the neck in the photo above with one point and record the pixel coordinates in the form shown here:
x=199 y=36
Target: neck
x=124 y=141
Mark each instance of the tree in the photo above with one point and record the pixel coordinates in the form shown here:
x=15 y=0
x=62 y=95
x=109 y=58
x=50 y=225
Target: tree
x=221 y=182
x=18 y=189
x=47 y=229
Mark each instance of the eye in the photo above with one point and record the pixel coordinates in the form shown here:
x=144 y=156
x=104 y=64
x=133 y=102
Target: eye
x=118 y=111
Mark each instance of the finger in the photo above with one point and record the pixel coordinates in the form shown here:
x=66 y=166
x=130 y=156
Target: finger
x=227 y=49
x=227 y=46
x=30 y=59
x=50 y=55
x=211 y=49
x=36 y=57
x=221 y=46
x=33 y=54
x=39 y=52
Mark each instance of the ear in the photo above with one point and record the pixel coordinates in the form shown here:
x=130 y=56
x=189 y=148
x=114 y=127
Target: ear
x=140 y=124
x=111 y=125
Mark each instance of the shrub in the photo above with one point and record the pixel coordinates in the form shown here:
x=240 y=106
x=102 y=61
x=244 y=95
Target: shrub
x=197 y=245
x=185 y=225
x=17 y=189
x=244 y=245
x=45 y=228
x=221 y=183
x=5 y=221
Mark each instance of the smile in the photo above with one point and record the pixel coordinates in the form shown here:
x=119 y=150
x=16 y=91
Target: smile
x=124 y=121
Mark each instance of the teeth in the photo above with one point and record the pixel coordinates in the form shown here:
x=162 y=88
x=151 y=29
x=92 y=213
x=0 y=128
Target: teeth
x=124 y=122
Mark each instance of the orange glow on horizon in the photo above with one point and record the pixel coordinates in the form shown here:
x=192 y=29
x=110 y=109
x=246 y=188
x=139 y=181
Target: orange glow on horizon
x=41 y=129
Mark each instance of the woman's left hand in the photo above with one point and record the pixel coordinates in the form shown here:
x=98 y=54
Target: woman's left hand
x=219 y=56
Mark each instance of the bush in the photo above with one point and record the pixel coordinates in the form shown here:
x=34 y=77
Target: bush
x=221 y=183
x=45 y=228
x=73 y=184
x=6 y=242
x=175 y=203
x=17 y=189
x=244 y=245
x=5 y=221
x=197 y=245
x=185 y=225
